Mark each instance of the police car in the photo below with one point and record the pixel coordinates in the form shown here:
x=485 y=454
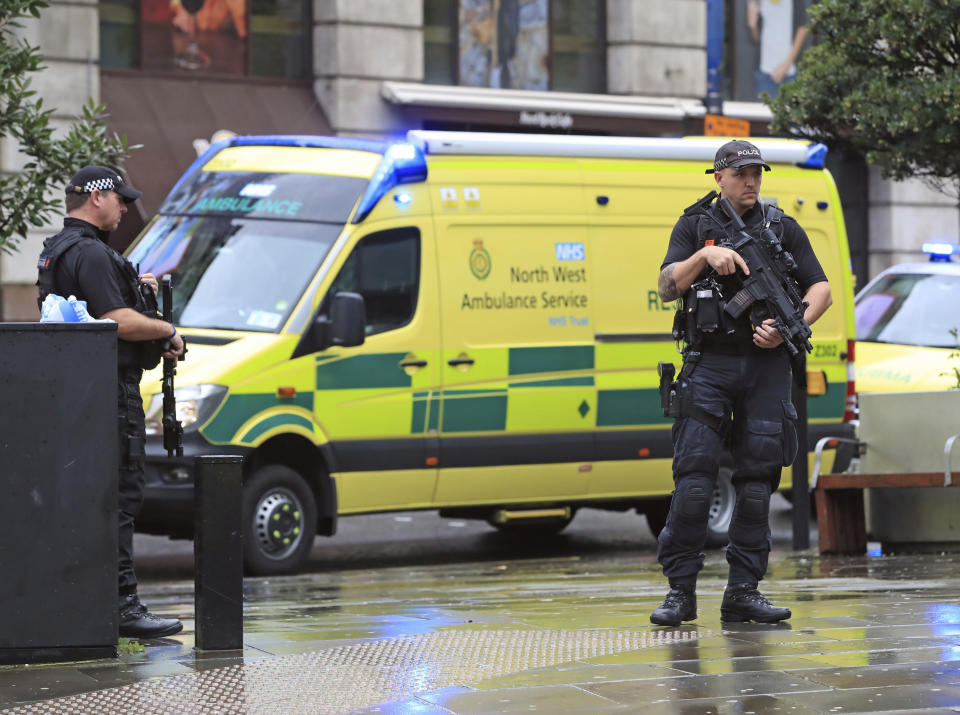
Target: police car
x=907 y=323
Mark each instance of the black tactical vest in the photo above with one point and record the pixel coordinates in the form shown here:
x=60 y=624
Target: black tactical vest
x=143 y=354
x=727 y=331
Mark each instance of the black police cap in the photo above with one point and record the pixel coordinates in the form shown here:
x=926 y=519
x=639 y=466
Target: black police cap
x=103 y=178
x=737 y=154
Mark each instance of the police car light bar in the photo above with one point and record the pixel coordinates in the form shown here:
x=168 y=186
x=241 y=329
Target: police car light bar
x=939 y=250
x=783 y=151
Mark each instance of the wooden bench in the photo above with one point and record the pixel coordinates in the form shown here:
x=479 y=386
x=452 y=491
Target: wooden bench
x=905 y=441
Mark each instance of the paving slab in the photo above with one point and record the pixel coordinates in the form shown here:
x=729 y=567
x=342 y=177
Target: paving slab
x=552 y=634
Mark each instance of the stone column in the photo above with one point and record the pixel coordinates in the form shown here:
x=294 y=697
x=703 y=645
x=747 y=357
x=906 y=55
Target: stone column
x=657 y=48
x=68 y=36
x=356 y=45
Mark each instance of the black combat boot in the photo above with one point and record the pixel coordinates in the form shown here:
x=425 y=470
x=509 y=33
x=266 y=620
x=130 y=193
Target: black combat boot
x=137 y=622
x=679 y=605
x=742 y=602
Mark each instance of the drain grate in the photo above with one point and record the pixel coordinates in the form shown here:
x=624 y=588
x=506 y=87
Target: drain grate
x=344 y=678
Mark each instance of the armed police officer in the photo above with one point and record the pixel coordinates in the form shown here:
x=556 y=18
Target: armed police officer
x=734 y=388
x=77 y=261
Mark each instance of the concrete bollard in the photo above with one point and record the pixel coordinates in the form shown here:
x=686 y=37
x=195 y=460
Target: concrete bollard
x=218 y=552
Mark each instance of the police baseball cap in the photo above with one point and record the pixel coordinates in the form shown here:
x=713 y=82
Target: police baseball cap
x=104 y=179
x=736 y=155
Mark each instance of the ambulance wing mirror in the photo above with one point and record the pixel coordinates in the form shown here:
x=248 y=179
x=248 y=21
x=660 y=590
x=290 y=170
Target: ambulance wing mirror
x=346 y=324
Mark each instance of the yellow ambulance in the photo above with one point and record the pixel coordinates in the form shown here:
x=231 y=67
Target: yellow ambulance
x=460 y=322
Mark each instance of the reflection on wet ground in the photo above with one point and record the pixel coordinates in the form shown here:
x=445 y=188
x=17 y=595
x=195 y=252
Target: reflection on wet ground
x=554 y=635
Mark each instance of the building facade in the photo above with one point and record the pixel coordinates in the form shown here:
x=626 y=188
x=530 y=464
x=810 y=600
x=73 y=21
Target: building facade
x=174 y=72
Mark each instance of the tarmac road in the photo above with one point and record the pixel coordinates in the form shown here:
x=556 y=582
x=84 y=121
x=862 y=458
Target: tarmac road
x=422 y=538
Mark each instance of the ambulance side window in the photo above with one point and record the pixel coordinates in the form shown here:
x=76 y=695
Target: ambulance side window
x=384 y=268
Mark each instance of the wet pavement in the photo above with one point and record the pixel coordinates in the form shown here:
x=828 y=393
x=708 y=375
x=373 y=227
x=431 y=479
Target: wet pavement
x=567 y=633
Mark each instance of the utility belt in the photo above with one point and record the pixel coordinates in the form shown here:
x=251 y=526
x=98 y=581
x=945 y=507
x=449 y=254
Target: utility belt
x=674 y=395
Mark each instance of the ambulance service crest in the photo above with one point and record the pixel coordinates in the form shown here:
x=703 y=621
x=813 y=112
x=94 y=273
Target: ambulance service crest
x=479 y=260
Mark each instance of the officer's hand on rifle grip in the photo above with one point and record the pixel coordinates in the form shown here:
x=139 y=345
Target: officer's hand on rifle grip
x=766 y=335
x=724 y=261
x=174 y=347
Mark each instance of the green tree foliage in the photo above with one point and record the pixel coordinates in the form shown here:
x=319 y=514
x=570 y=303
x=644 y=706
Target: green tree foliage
x=34 y=196
x=883 y=80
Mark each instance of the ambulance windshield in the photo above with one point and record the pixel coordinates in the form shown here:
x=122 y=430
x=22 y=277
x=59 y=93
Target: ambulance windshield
x=234 y=273
x=243 y=245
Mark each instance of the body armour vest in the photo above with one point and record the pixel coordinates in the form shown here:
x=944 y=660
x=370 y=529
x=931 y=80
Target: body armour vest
x=130 y=354
x=701 y=320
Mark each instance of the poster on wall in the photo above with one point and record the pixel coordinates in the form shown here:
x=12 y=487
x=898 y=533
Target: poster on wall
x=504 y=44
x=195 y=35
x=769 y=39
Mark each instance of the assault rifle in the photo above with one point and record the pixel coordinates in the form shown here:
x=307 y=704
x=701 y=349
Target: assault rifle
x=172 y=429
x=769 y=291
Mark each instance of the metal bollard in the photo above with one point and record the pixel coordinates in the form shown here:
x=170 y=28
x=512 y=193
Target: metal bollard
x=218 y=552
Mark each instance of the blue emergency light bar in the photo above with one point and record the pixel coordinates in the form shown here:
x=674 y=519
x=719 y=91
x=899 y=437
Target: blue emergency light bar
x=940 y=251
x=401 y=164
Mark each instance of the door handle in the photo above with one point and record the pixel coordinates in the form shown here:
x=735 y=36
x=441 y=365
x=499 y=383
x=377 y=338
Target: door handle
x=413 y=363
x=460 y=361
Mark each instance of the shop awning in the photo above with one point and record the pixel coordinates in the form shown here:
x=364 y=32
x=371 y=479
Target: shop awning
x=563 y=111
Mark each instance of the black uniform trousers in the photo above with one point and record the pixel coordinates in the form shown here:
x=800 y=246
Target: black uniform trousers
x=132 y=433
x=755 y=388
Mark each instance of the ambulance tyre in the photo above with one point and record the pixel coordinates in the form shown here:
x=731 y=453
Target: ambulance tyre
x=279 y=521
x=721 y=510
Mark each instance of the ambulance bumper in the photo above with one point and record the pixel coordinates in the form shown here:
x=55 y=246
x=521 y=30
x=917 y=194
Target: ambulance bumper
x=168 y=483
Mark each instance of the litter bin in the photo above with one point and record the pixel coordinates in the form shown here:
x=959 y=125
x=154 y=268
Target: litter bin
x=58 y=479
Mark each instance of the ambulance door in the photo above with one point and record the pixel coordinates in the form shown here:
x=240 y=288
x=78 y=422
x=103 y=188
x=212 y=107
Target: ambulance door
x=519 y=402
x=372 y=400
x=628 y=236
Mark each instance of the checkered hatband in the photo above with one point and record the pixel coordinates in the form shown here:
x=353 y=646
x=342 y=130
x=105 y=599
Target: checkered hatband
x=101 y=184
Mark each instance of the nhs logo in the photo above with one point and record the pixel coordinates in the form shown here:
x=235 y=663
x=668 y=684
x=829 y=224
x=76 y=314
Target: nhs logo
x=570 y=251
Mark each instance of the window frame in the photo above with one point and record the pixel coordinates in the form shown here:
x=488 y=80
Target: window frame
x=306 y=20
x=454 y=52
x=410 y=231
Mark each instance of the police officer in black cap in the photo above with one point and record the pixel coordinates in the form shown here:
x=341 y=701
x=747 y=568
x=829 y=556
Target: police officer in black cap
x=77 y=261
x=735 y=385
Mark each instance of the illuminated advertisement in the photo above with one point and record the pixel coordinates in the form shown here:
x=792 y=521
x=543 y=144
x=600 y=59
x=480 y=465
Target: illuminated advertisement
x=195 y=35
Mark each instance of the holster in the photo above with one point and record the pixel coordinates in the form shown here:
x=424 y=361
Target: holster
x=669 y=393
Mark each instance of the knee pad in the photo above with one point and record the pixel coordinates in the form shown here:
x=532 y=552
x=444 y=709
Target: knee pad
x=692 y=497
x=753 y=501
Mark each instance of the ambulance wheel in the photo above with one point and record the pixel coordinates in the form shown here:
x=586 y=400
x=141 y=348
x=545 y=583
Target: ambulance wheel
x=721 y=511
x=279 y=521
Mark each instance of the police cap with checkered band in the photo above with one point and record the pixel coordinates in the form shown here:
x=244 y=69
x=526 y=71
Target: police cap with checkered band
x=737 y=154
x=104 y=179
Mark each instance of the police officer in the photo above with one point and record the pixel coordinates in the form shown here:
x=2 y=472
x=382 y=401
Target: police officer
x=77 y=261
x=735 y=385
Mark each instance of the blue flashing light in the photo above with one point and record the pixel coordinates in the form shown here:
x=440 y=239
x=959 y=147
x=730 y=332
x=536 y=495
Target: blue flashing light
x=816 y=157
x=401 y=164
x=403 y=199
x=279 y=140
x=310 y=141
x=940 y=251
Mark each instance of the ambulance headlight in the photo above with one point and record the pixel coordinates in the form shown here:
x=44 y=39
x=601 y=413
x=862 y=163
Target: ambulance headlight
x=195 y=405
